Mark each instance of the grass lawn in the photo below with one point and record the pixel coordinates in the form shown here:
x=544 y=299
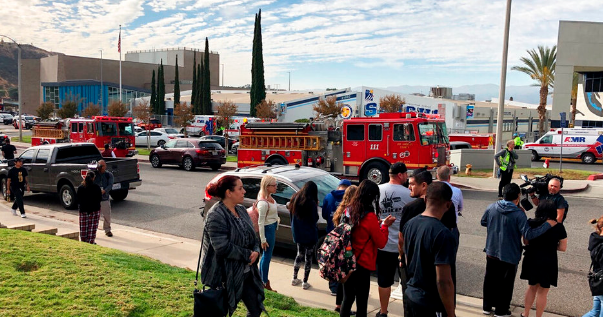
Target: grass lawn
x=143 y=151
x=26 y=139
x=566 y=174
x=43 y=275
x=231 y=158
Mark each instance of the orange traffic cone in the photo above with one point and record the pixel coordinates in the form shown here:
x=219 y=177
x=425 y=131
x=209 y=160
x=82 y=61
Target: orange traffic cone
x=546 y=163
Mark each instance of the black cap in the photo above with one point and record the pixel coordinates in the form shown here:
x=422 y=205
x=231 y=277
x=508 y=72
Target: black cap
x=398 y=167
x=18 y=159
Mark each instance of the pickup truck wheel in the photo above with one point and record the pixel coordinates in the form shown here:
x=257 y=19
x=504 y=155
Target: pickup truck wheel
x=155 y=162
x=67 y=196
x=376 y=172
x=119 y=195
x=535 y=156
x=588 y=158
x=188 y=164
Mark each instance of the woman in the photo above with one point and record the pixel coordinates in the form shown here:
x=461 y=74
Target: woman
x=267 y=224
x=345 y=202
x=505 y=159
x=367 y=236
x=89 y=199
x=596 y=255
x=304 y=216
x=231 y=249
x=540 y=266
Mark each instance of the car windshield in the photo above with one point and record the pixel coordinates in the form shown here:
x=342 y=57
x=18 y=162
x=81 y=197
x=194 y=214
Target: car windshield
x=106 y=128
x=126 y=129
x=171 y=131
x=433 y=133
x=325 y=183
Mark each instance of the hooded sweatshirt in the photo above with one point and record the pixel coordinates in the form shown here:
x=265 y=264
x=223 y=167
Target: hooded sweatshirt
x=329 y=206
x=506 y=224
x=594 y=243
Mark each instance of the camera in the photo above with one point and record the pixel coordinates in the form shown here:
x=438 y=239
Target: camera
x=537 y=185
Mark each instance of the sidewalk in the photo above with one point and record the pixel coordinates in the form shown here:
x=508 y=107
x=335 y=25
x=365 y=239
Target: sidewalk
x=184 y=252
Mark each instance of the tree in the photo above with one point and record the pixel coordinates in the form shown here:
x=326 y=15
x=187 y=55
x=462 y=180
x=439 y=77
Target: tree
x=117 y=109
x=206 y=93
x=153 y=90
x=225 y=112
x=176 y=85
x=391 y=103
x=194 y=89
x=258 y=89
x=540 y=66
x=199 y=100
x=68 y=109
x=183 y=115
x=327 y=108
x=160 y=91
x=143 y=112
x=45 y=110
x=266 y=110
x=91 y=111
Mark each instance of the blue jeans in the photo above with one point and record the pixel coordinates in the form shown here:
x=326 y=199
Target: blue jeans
x=270 y=233
x=596 y=311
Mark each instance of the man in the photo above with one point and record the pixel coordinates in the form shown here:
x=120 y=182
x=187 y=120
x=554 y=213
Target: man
x=15 y=186
x=8 y=150
x=506 y=223
x=430 y=250
x=108 y=152
x=394 y=196
x=505 y=159
x=329 y=206
x=518 y=142
x=443 y=175
x=104 y=180
x=562 y=205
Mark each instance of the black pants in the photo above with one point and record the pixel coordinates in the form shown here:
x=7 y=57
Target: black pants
x=505 y=178
x=339 y=298
x=498 y=285
x=356 y=288
x=412 y=309
x=17 y=194
x=250 y=297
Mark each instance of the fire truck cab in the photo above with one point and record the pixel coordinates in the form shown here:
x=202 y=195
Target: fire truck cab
x=100 y=130
x=362 y=148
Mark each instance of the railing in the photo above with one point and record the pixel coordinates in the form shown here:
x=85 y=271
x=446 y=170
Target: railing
x=293 y=142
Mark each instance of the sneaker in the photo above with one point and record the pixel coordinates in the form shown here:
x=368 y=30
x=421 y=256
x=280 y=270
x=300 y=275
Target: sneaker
x=295 y=281
x=487 y=312
x=306 y=285
x=379 y=314
x=108 y=234
x=23 y=216
x=14 y=212
x=508 y=314
x=333 y=293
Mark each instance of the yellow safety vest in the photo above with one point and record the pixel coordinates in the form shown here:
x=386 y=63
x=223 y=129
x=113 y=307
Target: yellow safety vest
x=518 y=141
x=504 y=161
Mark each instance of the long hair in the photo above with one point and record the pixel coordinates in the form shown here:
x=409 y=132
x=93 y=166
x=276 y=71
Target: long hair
x=266 y=180
x=89 y=179
x=303 y=202
x=345 y=202
x=598 y=224
x=546 y=210
x=365 y=200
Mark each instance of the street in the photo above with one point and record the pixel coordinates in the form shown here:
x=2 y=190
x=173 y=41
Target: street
x=170 y=198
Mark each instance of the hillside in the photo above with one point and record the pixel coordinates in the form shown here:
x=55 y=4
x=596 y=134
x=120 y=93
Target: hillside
x=8 y=63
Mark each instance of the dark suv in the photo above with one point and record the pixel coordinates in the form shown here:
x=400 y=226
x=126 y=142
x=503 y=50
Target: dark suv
x=189 y=153
x=290 y=179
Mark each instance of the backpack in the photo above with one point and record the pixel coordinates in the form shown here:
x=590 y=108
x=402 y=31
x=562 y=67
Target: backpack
x=255 y=214
x=335 y=257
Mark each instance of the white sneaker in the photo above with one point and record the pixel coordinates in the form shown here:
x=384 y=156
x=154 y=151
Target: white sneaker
x=14 y=212
x=295 y=281
x=306 y=285
x=23 y=216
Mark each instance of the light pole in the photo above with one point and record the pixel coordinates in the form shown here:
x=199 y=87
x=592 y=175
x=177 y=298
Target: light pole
x=102 y=105
x=503 y=82
x=289 y=81
x=18 y=85
x=222 y=75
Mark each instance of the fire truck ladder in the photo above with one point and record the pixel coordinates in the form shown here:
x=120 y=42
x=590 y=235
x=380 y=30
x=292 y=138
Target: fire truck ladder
x=281 y=142
x=48 y=133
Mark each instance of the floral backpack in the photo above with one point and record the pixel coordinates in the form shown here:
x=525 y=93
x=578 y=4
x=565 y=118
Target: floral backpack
x=335 y=257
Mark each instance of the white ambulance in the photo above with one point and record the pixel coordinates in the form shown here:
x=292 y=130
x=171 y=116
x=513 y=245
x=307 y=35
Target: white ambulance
x=584 y=144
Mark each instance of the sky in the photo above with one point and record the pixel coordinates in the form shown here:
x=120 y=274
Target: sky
x=320 y=43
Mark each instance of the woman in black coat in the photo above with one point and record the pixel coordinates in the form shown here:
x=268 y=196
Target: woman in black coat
x=89 y=198
x=595 y=246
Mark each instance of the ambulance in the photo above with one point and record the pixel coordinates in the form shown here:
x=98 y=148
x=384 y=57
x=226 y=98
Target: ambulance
x=580 y=144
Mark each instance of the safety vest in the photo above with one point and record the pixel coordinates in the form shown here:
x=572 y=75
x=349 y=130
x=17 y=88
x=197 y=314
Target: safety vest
x=518 y=141
x=504 y=161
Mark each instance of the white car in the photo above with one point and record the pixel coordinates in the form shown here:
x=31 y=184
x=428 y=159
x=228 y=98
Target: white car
x=157 y=138
x=171 y=132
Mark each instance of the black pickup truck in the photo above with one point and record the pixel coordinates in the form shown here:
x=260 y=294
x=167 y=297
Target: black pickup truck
x=58 y=168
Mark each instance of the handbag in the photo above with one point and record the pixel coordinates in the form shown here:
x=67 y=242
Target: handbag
x=210 y=301
x=595 y=279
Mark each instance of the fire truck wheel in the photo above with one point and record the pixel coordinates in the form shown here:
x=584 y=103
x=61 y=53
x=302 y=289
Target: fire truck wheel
x=588 y=158
x=188 y=164
x=277 y=161
x=376 y=172
x=155 y=162
x=535 y=156
x=68 y=198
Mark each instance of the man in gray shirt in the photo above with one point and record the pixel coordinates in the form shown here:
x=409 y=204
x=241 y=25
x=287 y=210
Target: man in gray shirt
x=104 y=180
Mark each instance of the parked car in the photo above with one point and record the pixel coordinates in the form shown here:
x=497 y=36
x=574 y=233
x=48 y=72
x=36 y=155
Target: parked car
x=456 y=145
x=171 y=132
x=290 y=179
x=156 y=138
x=189 y=153
x=220 y=139
x=7 y=118
x=27 y=122
x=234 y=147
x=137 y=129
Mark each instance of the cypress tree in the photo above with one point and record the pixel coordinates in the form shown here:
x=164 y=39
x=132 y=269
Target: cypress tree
x=161 y=91
x=194 y=88
x=206 y=81
x=198 y=106
x=176 y=85
x=153 y=91
x=258 y=89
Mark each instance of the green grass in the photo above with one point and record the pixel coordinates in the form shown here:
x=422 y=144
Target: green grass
x=231 y=158
x=143 y=151
x=42 y=275
x=26 y=139
x=566 y=174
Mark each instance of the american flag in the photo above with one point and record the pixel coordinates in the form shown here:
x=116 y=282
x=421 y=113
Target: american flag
x=119 y=43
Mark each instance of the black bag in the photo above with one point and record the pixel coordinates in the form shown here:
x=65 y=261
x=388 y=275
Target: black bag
x=595 y=279
x=210 y=302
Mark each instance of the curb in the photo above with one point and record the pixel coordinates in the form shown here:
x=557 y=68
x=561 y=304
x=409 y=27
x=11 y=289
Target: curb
x=563 y=191
x=595 y=177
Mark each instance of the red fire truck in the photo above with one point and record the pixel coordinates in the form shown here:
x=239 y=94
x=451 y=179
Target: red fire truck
x=477 y=141
x=363 y=148
x=100 y=130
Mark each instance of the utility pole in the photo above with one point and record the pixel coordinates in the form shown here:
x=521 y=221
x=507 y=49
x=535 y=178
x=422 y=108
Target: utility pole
x=222 y=75
x=102 y=105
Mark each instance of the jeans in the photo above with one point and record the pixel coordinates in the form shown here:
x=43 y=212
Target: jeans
x=498 y=285
x=505 y=178
x=597 y=311
x=270 y=233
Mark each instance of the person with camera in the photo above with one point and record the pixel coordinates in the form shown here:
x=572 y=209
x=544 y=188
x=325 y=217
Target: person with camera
x=595 y=246
x=554 y=187
x=505 y=160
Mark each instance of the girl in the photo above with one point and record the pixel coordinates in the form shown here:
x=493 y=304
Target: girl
x=89 y=200
x=304 y=216
x=596 y=255
x=267 y=224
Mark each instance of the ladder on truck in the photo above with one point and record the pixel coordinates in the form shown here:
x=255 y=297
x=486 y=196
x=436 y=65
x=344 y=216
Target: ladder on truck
x=281 y=142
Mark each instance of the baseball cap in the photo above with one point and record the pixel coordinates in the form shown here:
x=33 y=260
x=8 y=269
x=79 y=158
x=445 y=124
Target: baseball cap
x=345 y=182
x=18 y=159
x=397 y=167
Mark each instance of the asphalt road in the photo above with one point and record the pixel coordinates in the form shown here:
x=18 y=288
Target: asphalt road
x=170 y=198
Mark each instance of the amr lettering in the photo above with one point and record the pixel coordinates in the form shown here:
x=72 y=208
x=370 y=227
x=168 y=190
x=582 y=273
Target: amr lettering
x=575 y=139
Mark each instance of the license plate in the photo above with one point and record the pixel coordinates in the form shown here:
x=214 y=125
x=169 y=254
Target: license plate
x=116 y=186
x=214 y=152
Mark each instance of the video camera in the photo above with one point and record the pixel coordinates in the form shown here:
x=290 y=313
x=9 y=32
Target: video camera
x=538 y=185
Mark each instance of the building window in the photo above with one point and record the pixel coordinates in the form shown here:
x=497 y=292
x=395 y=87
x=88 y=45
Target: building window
x=52 y=95
x=593 y=82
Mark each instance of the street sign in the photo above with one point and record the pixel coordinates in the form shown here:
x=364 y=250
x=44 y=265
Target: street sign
x=563 y=120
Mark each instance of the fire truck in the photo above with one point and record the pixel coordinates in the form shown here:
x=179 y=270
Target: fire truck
x=99 y=130
x=477 y=141
x=362 y=148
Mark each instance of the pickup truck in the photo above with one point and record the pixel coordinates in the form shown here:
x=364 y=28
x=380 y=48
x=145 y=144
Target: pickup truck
x=59 y=168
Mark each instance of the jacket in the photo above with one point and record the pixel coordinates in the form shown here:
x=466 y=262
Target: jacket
x=223 y=251
x=305 y=231
x=104 y=181
x=89 y=198
x=367 y=237
x=329 y=206
x=596 y=251
x=505 y=159
x=506 y=224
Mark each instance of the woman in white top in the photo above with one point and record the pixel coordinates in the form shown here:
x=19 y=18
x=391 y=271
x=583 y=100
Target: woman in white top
x=267 y=223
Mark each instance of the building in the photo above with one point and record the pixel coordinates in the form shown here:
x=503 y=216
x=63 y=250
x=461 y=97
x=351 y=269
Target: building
x=62 y=77
x=579 y=49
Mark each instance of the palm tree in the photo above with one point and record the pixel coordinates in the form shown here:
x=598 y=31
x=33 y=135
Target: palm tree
x=541 y=67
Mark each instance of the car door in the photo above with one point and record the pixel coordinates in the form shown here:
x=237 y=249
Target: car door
x=155 y=137
x=181 y=148
x=141 y=138
x=283 y=194
x=27 y=158
x=165 y=153
x=40 y=171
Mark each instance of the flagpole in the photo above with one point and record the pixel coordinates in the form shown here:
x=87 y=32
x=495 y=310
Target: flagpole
x=119 y=48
